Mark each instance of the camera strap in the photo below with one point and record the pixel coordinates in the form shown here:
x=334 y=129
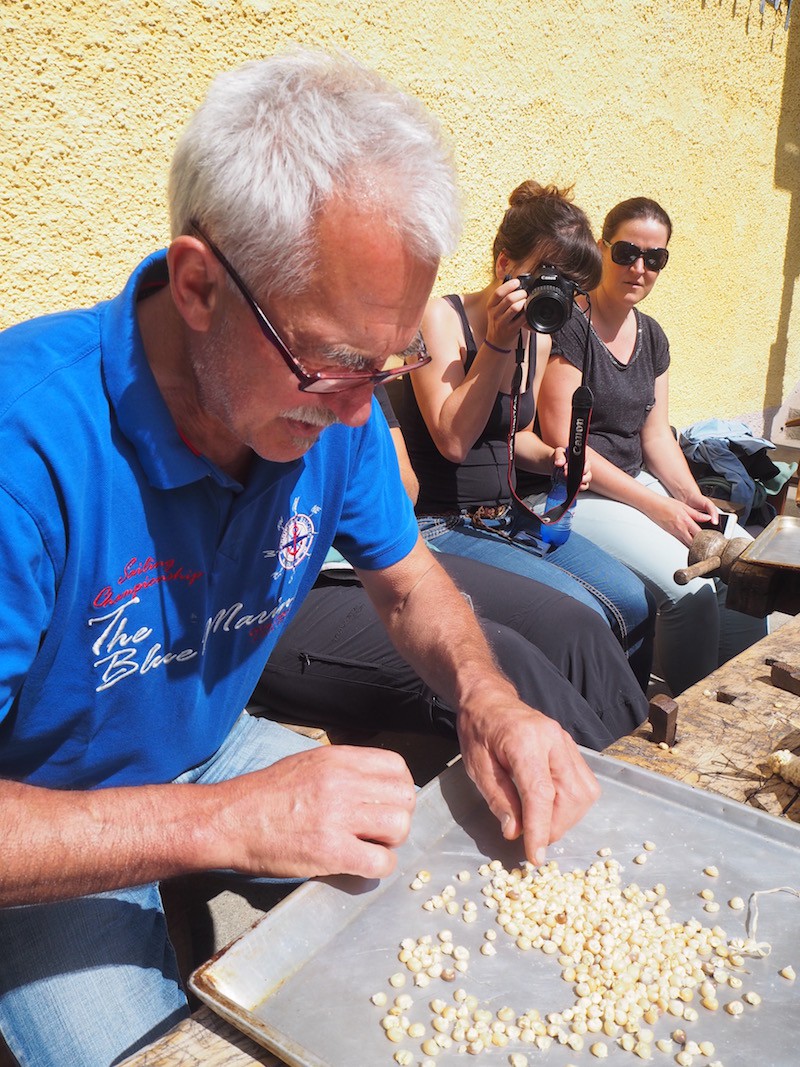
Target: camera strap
x=582 y=402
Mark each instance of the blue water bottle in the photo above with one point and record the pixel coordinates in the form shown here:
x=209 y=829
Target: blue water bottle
x=556 y=533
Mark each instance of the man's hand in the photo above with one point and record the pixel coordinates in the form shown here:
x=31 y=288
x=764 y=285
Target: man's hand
x=330 y=810
x=529 y=770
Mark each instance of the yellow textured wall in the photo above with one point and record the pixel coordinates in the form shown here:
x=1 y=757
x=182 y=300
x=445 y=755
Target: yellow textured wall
x=693 y=102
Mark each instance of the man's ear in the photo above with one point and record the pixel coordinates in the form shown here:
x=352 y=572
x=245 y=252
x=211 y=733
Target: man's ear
x=194 y=281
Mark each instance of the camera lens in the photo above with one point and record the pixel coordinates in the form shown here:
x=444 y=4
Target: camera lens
x=548 y=308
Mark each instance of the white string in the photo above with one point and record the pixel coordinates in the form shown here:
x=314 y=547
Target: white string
x=751 y=947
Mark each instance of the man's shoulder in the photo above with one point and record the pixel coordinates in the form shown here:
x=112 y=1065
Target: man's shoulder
x=51 y=390
x=43 y=350
x=31 y=352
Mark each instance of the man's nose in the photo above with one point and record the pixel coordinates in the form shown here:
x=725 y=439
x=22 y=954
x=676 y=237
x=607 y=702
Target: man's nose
x=352 y=407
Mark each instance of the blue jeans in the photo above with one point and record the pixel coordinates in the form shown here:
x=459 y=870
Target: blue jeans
x=91 y=980
x=577 y=568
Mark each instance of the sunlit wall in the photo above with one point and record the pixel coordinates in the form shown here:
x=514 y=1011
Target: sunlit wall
x=693 y=102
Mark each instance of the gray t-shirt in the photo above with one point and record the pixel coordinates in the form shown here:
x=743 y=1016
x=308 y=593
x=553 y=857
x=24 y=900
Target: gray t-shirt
x=624 y=394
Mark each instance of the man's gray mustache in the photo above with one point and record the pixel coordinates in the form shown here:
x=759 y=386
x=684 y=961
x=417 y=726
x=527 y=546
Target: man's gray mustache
x=314 y=416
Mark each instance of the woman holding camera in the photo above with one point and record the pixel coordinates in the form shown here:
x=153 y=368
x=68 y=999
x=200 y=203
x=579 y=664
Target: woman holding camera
x=455 y=419
x=645 y=506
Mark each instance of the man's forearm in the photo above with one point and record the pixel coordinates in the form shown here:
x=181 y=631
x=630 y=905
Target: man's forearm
x=528 y=769
x=434 y=628
x=330 y=809
x=63 y=843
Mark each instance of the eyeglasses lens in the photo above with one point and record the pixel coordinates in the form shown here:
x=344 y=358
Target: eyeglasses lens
x=625 y=254
x=332 y=384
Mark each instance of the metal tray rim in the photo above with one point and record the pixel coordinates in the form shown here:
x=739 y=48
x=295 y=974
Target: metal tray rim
x=208 y=983
x=758 y=550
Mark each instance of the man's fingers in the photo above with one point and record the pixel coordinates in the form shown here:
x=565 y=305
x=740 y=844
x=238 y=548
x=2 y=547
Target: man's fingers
x=385 y=824
x=538 y=802
x=542 y=792
x=499 y=792
x=326 y=810
x=379 y=775
x=577 y=790
x=366 y=859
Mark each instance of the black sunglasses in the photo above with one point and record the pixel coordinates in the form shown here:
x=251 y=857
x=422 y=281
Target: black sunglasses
x=317 y=382
x=625 y=254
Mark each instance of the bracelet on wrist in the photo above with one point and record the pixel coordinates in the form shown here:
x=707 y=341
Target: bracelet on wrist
x=495 y=348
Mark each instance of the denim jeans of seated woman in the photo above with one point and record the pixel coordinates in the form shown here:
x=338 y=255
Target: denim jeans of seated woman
x=577 y=568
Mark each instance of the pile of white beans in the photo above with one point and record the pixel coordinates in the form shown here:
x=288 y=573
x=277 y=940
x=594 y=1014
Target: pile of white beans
x=626 y=961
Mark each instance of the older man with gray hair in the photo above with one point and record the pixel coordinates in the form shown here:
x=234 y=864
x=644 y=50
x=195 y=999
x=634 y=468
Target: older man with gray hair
x=176 y=463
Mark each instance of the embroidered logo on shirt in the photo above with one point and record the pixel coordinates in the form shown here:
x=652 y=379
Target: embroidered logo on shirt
x=140 y=574
x=295 y=539
x=127 y=646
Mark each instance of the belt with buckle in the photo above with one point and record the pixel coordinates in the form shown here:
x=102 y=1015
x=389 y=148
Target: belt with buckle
x=483 y=511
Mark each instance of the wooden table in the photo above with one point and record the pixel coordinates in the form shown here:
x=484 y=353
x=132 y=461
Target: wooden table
x=204 y=1039
x=720 y=747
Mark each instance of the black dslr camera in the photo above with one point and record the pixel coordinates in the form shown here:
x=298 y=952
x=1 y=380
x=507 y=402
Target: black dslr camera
x=550 y=296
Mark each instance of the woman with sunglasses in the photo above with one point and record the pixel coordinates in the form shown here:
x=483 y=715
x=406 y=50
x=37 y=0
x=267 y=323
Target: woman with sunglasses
x=455 y=417
x=644 y=506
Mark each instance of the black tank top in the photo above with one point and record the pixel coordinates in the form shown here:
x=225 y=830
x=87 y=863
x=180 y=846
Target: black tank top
x=481 y=478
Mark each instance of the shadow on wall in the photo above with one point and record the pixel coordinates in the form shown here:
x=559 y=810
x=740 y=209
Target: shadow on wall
x=787 y=176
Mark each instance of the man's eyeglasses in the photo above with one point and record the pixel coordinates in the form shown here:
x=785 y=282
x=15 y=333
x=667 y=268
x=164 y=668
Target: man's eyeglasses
x=317 y=382
x=625 y=254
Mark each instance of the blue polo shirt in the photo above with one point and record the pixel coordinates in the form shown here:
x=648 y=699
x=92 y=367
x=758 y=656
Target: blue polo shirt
x=142 y=589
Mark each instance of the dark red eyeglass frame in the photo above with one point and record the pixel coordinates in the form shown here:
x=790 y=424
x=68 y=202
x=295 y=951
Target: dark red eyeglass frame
x=318 y=382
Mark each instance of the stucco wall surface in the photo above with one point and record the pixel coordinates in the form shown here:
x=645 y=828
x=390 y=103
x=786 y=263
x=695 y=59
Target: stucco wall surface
x=693 y=102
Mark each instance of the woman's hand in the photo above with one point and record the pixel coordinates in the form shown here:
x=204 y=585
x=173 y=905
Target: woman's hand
x=504 y=312
x=700 y=502
x=587 y=475
x=677 y=518
x=560 y=462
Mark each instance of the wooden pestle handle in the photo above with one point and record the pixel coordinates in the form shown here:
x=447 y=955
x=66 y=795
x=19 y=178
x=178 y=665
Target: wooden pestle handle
x=711 y=552
x=697 y=570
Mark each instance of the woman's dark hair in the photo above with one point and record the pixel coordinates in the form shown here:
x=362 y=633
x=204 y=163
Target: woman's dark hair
x=544 y=220
x=638 y=207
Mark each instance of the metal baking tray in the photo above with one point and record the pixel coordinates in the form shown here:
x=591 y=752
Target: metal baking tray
x=778 y=545
x=300 y=981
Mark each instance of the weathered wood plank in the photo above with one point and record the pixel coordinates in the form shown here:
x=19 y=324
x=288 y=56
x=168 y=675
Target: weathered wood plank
x=723 y=744
x=205 y=1040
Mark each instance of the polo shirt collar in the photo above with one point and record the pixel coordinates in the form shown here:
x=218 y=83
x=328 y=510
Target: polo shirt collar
x=142 y=414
